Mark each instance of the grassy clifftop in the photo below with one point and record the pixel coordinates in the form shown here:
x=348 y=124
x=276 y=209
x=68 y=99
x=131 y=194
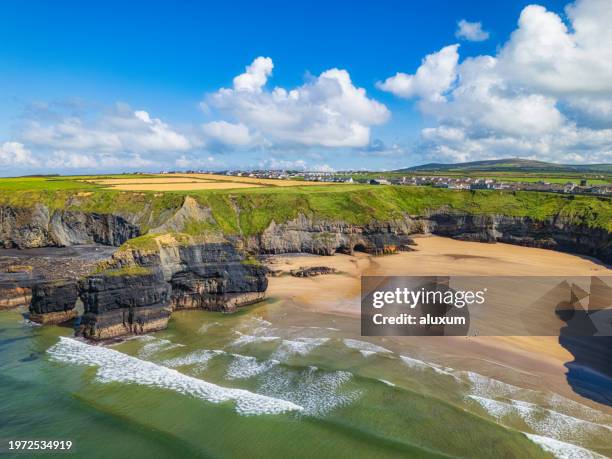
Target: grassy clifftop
x=249 y=211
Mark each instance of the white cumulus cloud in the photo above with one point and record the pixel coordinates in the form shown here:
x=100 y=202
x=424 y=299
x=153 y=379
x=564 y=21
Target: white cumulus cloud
x=546 y=94
x=15 y=154
x=471 y=31
x=121 y=131
x=227 y=133
x=434 y=77
x=329 y=111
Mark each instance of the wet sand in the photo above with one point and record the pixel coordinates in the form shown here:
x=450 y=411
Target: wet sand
x=532 y=361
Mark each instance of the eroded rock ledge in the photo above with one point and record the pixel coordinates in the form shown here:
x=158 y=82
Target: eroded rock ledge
x=136 y=290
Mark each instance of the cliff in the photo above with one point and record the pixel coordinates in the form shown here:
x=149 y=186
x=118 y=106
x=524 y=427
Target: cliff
x=53 y=302
x=556 y=233
x=121 y=303
x=38 y=226
x=324 y=237
x=139 y=288
x=198 y=250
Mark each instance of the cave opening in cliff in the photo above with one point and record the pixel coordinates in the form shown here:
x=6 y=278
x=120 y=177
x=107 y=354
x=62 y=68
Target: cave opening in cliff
x=360 y=248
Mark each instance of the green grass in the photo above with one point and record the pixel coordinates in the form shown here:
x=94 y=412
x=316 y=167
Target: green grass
x=132 y=270
x=249 y=211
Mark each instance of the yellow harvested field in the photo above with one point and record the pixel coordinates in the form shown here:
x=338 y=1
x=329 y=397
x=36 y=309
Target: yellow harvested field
x=196 y=185
x=148 y=181
x=253 y=180
x=185 y=182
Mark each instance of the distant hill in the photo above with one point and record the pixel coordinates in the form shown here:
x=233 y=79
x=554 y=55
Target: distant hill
x=510 y=165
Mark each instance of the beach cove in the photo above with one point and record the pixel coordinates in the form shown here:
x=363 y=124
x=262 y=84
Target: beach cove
x=295 y=367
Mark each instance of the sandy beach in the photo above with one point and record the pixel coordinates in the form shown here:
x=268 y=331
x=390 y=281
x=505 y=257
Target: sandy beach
x=533 y=361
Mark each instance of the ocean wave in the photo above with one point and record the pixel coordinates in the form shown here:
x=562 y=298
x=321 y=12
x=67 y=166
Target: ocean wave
x=256 y=325
x=367 y=349
x=317 y=391
x=562 y=450
x=207 y=326
x=388 y=383
x=198 y=358
x=244 y=339
x=484 y=386
x=421 y=365
x=29 y=323
x=155 y=345
x=543 y=421
x=299 y=346
x=567 y=406
x=244 y=366
x=114 y=366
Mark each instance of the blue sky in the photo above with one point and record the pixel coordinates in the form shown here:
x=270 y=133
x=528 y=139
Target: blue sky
x=76 y=78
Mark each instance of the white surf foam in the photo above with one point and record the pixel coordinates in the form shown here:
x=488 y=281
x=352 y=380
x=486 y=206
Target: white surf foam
x=388 y=383
x=545 y=422
x=207 y=326
x=29 y=323
x=489 y=387
x=244 y=339
x=317 y=391
x=562 y=450
x=367 y=349
x=155 y=345
x=567 y=406
x=299 y=346
x=421 y=365
x=198 y=358
x=114 y=366
x=244 y=366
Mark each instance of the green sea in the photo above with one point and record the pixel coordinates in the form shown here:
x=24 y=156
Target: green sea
x=273 y=380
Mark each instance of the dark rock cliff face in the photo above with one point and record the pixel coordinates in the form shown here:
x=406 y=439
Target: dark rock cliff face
x=40 y=227
x=117 y=305
x=328 y=237
x=325 y=238
x=554 y=233
x=211 y=276
x=53 y=301
x=215 y=277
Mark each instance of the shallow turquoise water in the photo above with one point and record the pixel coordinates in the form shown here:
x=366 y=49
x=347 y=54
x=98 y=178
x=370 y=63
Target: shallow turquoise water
x=270 y=382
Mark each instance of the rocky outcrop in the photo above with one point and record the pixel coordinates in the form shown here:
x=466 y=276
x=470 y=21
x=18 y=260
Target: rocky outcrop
x=312 y=271
x=38 y=226
x=142 y=287
x=53 y=302
x=322 y=237
x=120 y=304
x=15 y=286
x=13 y=296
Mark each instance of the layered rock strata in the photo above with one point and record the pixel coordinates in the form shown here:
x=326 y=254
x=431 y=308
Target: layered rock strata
x=141 y=288
x=54 y=302
x=39 y=226
x=120 y=304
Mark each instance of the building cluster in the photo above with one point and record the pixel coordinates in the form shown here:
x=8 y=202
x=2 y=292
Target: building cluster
x=315 y=176
x=473 y=183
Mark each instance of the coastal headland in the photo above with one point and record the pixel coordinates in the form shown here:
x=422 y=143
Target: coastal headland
x=203 y=248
